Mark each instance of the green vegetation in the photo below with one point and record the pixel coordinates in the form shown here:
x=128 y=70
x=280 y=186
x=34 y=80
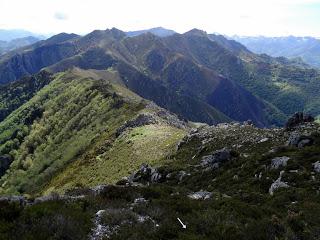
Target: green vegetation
x=65 y=137
x=48 y=220
x=17 y=93
x=289 y=88
x=240 y=207
x=110 y=160
x=56 y=126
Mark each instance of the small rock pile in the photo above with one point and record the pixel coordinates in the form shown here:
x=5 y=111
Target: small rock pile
x=218 y=157
x=297 y=119
x=146 y=174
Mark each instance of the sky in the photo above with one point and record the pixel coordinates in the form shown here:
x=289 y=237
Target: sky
x=229 y=17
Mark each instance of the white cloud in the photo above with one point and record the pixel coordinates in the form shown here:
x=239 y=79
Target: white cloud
x=245 y=17
x=60 y=16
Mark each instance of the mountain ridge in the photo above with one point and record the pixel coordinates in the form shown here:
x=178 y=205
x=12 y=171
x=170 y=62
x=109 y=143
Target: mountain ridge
x=153 y=56
x=305 y=48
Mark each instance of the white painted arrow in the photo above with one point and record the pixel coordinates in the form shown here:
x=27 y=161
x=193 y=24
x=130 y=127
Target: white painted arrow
x=183 y=225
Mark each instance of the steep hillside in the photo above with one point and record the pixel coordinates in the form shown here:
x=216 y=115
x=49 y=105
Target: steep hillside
x=204 y=71
x=159 y=63
x=33 y=58
x=17 y=93
x=77 y=124
x=288 y=85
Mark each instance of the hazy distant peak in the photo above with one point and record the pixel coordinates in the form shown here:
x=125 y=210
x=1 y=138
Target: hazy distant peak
x=158 y=31
x=10 y=34
x=117 y=33
x=196 y=32
x=61 y=37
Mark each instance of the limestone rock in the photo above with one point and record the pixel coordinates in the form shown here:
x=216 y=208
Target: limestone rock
x=279 y=162
x=201 y=195
x=316 y=166
x=220 y=156
x=278 y=184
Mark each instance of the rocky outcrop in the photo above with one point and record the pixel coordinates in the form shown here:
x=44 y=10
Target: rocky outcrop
x=14 y=199
x=297 y=119
x=279 y=162
x=278 y=184
x=297 y=140
x=145 y=175
x=316 y=166
x=155 y=116
x=218 y=157
x=201 y=195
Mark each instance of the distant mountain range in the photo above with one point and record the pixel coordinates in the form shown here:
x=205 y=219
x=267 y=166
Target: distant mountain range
x=305 y=48
x=201 y=77
x=10 y=34
x=16 y=43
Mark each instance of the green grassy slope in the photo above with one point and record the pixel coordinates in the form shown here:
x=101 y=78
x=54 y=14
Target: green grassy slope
x=60 y=124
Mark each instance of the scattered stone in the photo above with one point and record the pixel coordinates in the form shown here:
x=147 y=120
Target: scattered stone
x=258 y=176
x=201 y=195
x=264 y=140
x=100 y=213
x=248 y=123
x=225 y=195
x=305 y=142
x=220 y=156
x=316 y=166
x=100 y=231
x=181 y=175
x=51 y=197
x=294 y=139
x=278 y=184
x=279 y=162
x=98 y=189
x=15 y=199
x=140 y=200
x=277 y=149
